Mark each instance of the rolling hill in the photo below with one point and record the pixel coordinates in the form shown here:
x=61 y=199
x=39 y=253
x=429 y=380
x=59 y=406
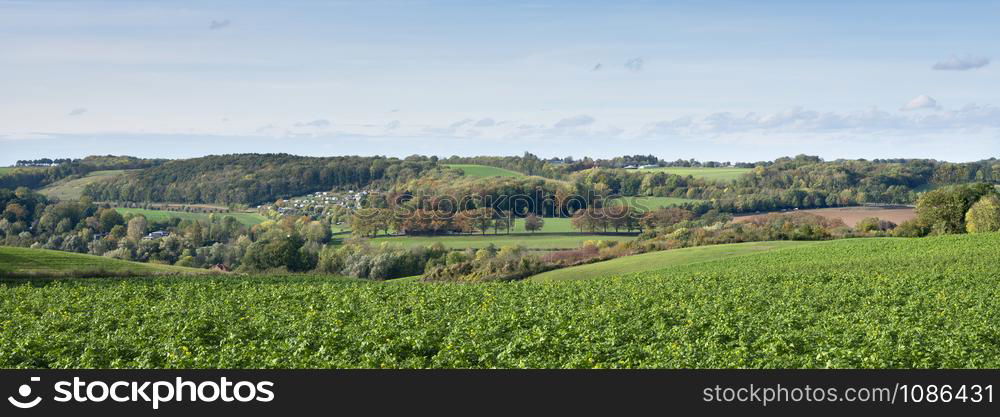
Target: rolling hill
x=72 y=189
x=855 y=303
x=662 y=259
x=25 y=262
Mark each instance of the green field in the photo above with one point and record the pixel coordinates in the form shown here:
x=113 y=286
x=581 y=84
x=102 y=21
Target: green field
x=247 y=219
x=551 y=225
x=721 y=174
x=541 y=241
x=854 y=303
x=40 y=262
x=72 y=189
x=661 y=260
x=472 y=170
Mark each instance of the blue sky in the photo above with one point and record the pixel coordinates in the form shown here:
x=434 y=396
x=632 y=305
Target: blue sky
x=738 y=81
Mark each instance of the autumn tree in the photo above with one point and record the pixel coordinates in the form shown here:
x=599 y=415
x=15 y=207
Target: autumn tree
x=137 y=228
x=533 y=223
x=984 y=216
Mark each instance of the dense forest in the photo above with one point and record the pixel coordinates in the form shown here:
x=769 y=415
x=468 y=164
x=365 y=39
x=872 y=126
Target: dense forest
x=254 y=178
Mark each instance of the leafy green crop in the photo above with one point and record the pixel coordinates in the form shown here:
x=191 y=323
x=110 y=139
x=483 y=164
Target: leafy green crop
x=878 y=303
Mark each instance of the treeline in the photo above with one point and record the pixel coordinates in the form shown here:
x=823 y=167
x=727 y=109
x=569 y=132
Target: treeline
x=254 y=178
x=39 y=175
x=561 y=168
x=42 y=162
x=800 y=182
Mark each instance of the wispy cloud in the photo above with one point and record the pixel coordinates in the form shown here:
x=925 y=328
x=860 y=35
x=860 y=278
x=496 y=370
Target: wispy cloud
x=575 y=121
x=962 y=63
x=460 y=123
x=487 y=122
x=219 y=24
x=809 y=121
x=393 y=125
x=318 y=123
x=921 y=102
x=635 y=64
x=77 y=111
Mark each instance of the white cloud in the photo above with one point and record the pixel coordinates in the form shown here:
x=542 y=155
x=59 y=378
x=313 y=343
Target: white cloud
x=393 y=125
x=77 y=111
x=575 y=121
x=920 y=102
x=961 y=63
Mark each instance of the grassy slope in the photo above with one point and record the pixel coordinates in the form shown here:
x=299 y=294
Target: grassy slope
x=42 y=262
x=661 y=260
x=484 y=171
x=538 y=241
x=72 y=189
x=248 y=219
x=722 y=174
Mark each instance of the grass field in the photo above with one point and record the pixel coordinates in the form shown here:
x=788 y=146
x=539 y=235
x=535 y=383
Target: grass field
x=721 y=174
x=854 y=303
x=551 y=225
x=484 y=171
x=660 y=260
x=248 y=219
x=72 y=189
x=40 y=262
x=541 y=241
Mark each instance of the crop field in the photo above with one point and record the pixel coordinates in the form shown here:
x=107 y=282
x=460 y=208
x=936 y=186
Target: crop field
x=540 y=241
x=40 y=262
x=661 y=260
x=72 y=189
x=856 y=303
x=484 y=171
x=721 y=174
x=248 y=219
